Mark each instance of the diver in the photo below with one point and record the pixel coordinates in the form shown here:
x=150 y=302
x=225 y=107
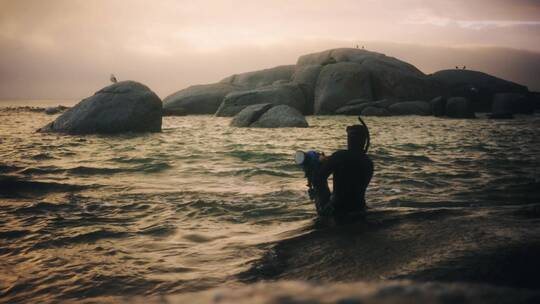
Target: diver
x=352 y=170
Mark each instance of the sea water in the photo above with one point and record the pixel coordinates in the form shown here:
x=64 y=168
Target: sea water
x=195 y=205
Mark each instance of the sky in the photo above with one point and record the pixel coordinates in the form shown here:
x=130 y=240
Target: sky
x=66 y=49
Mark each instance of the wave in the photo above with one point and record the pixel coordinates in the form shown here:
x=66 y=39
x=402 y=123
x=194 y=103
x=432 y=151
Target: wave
x=13 y=186
x=86 y=237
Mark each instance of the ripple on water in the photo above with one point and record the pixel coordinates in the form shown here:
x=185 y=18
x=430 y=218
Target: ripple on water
x=159 y=213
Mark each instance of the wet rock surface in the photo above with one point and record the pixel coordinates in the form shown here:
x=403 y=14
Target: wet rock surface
x=126 y=106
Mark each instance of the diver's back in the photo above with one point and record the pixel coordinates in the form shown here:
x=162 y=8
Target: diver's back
x=352 y=174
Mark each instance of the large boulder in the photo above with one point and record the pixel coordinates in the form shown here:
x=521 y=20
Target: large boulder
x=269 y=116
x=261 y=78
x=281 y=116
x=512 y=103
x=249 y=115
x=197 y=99
x=477 y=87
x=353 y=73
x=411 y=108
x=126 y=106
x=459 y=107
x=438 y=106
x=306 y=77
x=287 y=94
x=338 y=84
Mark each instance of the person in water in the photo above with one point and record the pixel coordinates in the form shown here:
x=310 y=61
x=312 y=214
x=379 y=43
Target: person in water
x=352 y=170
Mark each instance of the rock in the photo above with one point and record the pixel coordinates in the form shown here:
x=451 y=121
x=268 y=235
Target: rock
x=438 y=106
x=288 y=94
x=374 y=111
x=306 y=77
x=126 y=106
x=511 y=103
x=198 y=99
x=385 y=103
x=477 y=87
x=355 y=109
x=535 y=99
x=340 y=83
x=411 y=108
x=357 y=101
x=459 y=107
x=359 y=73
x=249 y=115
x=281 y=116
x=261 y=78
x=54 y=110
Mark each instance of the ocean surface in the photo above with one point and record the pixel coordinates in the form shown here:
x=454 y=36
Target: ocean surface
x=194 y=206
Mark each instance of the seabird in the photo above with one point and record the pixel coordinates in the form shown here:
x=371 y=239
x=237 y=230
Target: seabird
x=113 y=79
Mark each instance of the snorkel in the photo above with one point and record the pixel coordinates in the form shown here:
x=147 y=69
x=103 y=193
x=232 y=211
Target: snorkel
x=358 y=137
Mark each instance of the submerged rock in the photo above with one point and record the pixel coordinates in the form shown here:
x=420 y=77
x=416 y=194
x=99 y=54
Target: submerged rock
x=459 y=107
x=198 y=99
x=126 y=106
x=287 y=94
x=269 y=116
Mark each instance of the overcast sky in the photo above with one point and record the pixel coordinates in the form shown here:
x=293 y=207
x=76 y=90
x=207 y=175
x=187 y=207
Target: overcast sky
x=68 y=48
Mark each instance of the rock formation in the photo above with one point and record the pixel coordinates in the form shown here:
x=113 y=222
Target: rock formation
x=459 y=107
x=286 y=94
x=269 y=116
x=334 y=81
x=126 y=106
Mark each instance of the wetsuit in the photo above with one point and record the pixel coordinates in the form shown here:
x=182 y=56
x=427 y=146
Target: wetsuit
x=352 y=173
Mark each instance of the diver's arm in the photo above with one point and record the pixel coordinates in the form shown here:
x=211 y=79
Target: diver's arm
x=321 y=185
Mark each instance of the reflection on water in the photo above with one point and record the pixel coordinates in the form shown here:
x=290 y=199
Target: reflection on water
x=190 y=207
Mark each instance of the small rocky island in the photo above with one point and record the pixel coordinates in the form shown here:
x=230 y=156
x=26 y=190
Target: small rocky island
x=126 y=106
x=350 y=81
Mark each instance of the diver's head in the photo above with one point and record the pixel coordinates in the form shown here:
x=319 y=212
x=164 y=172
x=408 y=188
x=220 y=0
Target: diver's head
x=358 y=137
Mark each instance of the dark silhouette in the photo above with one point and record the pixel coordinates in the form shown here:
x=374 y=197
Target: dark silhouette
x=464 y=67
x=113 y=79
x=352 y=170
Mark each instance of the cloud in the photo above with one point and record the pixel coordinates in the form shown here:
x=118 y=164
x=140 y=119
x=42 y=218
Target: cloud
x=67 y=48
x=425 y=17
